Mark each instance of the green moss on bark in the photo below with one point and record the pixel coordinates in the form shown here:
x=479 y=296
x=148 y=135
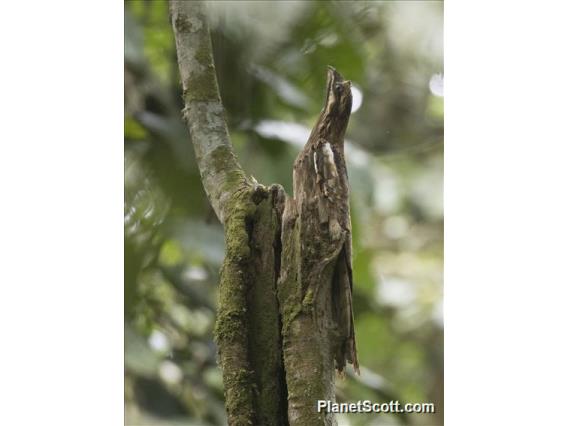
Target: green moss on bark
x=223 y=160
x=247 y=330
x=231 y=332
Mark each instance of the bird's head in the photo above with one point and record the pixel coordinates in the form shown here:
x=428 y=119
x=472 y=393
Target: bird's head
x=338 y=92
x=337 y=106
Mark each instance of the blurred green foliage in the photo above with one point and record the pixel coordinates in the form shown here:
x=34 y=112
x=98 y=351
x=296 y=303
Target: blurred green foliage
x=271 y=59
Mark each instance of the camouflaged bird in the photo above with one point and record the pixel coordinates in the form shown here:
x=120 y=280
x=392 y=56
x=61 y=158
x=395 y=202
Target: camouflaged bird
x=322 y=191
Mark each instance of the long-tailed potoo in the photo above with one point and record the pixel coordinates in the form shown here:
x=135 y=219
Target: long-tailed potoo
x=321 y=188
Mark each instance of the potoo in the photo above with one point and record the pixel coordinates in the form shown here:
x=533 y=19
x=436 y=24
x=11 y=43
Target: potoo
x=321 y=193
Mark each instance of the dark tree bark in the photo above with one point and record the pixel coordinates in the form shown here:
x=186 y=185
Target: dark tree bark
x=285 y=320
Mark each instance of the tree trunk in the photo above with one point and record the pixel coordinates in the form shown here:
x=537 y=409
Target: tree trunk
x=284 y=320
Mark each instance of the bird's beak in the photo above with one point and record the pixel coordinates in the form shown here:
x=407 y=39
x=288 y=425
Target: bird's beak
x=333 y=76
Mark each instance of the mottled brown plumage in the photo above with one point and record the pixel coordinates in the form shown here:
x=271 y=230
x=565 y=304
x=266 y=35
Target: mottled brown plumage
x=321 y=189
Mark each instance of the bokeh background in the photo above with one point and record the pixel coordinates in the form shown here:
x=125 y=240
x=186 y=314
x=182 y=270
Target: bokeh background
x=271 y=60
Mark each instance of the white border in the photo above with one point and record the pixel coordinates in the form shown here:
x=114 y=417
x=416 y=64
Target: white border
x=506 y=210
x=61 y=174
x=61 y=213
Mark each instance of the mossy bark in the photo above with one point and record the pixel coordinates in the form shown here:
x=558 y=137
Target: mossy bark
x=231 y=329
x=280 y=329
x=248 y=326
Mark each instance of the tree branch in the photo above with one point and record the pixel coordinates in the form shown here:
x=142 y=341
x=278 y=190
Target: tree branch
x=247 y=329
x=221 y=173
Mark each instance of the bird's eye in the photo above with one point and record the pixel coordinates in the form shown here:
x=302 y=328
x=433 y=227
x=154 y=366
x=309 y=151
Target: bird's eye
x=338 y=88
